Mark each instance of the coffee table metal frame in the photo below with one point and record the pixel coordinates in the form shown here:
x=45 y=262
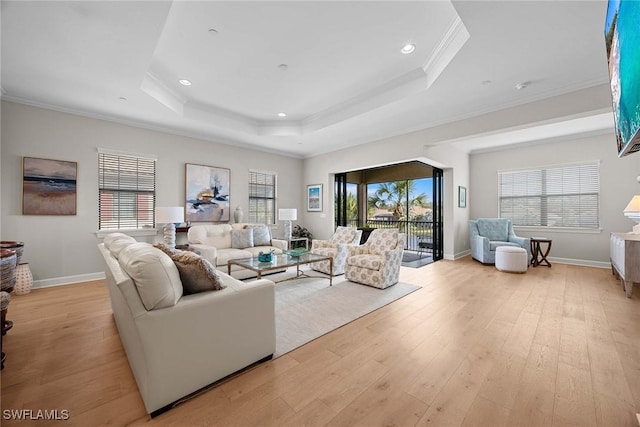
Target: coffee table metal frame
x=282 y=261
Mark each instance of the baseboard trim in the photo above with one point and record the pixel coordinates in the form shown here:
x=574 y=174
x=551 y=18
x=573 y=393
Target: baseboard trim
x=67 y=280
x=453 y=257
x=582 y=262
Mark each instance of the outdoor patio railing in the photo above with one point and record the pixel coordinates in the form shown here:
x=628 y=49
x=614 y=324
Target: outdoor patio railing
x=419 y=233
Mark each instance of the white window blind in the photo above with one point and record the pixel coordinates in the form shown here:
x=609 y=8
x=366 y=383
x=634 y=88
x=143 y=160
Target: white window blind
x=262 y=197
x=561 y=196
x=127 y=191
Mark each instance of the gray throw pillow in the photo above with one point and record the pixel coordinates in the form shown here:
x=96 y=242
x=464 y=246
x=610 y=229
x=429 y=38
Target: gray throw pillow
x=241 y=239
x=196 y=273
x=261 y=235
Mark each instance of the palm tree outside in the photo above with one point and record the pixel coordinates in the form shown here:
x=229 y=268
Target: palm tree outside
x=397 y=197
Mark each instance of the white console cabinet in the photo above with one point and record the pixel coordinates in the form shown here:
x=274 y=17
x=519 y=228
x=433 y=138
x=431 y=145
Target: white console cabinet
x=625 y=259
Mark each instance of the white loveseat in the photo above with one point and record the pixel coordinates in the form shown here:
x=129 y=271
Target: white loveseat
x=184 y=342
x=220 y=243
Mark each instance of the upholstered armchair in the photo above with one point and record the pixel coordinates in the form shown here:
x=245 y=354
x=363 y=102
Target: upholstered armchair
x=486 y=234
x=377 y=262
x=335 y=247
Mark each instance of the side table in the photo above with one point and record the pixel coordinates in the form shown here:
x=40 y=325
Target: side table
x=537 y=256
x=304 y=240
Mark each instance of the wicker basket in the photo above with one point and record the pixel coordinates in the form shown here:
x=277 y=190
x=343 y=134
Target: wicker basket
x=7 y=269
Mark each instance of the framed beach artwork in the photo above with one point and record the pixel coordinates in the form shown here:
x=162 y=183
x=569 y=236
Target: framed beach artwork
x=48 y=186
x=314 y=198
x=462 y=197
x=207 y=193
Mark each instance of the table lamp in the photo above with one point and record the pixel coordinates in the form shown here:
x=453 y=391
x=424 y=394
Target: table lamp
x=632 y=211
x=287 y=215
x=170 y=216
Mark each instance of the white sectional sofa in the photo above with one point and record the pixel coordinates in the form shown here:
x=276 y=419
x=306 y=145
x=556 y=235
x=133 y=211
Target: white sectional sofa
x=177 y=344
x=220 y=243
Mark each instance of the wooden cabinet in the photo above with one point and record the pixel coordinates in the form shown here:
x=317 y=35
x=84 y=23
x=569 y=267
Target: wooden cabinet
x=625 y=259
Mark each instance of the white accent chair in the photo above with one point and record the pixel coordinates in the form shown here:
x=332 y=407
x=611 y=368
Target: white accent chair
x=336 y=247
x=377 y=262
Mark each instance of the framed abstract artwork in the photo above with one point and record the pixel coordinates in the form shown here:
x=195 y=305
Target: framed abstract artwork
x=207 y=193
x=314 y=198
x=48 y=187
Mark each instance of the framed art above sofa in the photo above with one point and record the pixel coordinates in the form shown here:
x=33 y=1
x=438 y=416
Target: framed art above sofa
x=207 y=193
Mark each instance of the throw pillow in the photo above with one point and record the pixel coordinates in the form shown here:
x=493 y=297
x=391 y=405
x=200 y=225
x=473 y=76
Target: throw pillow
x=261 y=235
x=196 y=273
x=154 y=273
x=116 y=245
x=241 y=239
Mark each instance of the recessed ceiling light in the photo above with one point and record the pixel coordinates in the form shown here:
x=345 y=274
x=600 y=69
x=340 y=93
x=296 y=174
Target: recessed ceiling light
x=283 y=67
x=522 y=85
x=408 y=48
x=185 y=82
x=486 y=82
x=122 y=98
x=282 y=114
x=213 y=31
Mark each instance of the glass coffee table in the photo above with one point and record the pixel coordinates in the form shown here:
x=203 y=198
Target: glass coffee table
x=282 y=261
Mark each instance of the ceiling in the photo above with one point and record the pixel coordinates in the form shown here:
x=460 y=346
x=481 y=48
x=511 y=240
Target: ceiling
x=334 y=67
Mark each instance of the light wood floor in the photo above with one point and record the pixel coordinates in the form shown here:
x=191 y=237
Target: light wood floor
x=473 y=347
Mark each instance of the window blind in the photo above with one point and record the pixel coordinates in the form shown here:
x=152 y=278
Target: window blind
x=126 y=191
x=262 y=197
x=560 y=196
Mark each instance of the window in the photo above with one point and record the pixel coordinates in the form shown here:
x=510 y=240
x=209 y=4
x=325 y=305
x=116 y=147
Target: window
x=126 y=191
x=561 y=196
x=262 y=197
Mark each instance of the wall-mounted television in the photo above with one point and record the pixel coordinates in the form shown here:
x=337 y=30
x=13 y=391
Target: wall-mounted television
x=622 y=37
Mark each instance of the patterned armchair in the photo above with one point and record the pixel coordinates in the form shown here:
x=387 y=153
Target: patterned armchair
x=336 y=247
x=377 y=262
x=486 y=234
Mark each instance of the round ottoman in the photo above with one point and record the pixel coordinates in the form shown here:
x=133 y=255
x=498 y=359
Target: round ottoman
x=511 y=259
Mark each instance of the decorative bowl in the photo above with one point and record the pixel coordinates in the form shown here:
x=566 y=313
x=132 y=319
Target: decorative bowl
x=265 y=257
x=296 y=252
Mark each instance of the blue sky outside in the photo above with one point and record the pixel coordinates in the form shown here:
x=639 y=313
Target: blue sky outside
x=611 y=12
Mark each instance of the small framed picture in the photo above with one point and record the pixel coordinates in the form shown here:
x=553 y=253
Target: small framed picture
x=462 y=197
x=314 y=198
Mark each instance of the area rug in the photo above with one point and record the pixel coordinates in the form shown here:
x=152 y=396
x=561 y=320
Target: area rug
x=309 y=308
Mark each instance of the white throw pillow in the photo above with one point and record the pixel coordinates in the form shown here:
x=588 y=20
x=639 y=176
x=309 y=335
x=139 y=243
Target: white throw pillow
x=110 y=238
x=155 y=275
x=261 y=235
x=241 y=239
x=116 y=244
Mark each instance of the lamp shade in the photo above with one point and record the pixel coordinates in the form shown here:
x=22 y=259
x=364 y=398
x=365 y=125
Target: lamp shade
x=287 y=214
x=633 y=206
x=632 y=211
x=169 y=215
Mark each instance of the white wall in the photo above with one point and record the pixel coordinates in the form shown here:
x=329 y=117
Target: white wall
x=321 y=170
x=61 y=249
x=617 y=185
x=433 y=147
